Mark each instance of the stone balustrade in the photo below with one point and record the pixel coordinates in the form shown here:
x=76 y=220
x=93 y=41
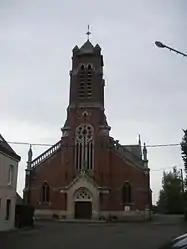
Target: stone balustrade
x=45 y=155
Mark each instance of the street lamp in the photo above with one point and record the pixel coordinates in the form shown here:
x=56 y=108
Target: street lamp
x=161 y=45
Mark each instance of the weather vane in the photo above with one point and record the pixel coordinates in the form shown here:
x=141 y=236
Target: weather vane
x=88 y=32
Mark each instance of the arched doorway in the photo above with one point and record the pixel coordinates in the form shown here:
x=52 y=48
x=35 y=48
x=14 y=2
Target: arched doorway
x=83 y=204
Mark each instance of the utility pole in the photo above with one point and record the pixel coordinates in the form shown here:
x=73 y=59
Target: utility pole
x=183 y=193
x=182 y=180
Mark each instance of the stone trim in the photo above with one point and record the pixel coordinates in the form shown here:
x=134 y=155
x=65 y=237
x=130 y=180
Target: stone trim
x=81 y=175
x=86 y=105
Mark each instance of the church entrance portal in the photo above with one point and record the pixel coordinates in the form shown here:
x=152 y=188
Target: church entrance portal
x=83 y=210
x=83 y=204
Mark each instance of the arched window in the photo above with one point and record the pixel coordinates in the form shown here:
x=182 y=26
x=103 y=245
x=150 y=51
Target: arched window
x=84 y=147
x=83 y=195
x=45 y=192
x=85 y=75
x=89 y=67
x=127 y=193
x=81 y=90
x=89 y=81
x=82 y=67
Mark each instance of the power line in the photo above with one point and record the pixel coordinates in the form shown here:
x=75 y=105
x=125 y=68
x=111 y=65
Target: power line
x=162 y=145
x=34 y=144
x=177 y=166
x=149 y=146
x=49 y=145
x=171 y=167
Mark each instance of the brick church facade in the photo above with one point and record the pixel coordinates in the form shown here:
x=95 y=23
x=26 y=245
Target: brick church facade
x=88 y=174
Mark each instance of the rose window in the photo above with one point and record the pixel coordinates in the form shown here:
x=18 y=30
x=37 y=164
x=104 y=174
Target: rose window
x=84 y=133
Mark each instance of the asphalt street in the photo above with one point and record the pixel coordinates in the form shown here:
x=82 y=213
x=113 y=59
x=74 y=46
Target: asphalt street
x=55 y=235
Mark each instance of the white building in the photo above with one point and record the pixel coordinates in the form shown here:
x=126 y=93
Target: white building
x=8 y=182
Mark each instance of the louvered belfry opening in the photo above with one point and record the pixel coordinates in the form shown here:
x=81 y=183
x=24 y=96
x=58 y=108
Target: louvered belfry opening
x=85 y=81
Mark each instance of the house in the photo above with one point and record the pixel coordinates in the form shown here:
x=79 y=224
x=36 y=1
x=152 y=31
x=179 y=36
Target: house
x=88 y=174
x=8 y=182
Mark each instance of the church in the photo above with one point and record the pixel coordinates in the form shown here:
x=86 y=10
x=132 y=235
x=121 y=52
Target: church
x=88 y=174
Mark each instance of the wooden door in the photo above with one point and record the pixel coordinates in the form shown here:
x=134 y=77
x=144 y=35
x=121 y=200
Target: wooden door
x=83 y=210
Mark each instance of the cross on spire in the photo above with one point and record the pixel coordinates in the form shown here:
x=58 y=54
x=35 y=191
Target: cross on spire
x=88 y=33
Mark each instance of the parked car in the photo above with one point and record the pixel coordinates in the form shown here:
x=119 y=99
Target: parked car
x=179 y=242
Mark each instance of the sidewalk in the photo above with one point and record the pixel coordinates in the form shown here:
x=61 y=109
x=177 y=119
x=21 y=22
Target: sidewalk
x=81 y=221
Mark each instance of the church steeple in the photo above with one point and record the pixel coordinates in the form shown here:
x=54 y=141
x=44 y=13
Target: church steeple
x=86 y=76
x=86 y=88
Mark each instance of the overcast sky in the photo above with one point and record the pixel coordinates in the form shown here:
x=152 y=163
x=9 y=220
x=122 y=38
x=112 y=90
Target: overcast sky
x=146 y=87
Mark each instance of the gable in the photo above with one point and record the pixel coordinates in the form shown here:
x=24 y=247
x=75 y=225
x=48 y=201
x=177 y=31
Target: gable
x=5 y=148
x=82 y=179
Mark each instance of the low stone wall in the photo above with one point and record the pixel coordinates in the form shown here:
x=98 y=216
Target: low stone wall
x=49 y=214
x=103 y=215
x=126 y=216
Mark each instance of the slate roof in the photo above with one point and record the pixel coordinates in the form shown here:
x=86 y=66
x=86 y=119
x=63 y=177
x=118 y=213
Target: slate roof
x=87 y=48
x=19 y=199
x=5 y=148
x=134 y=149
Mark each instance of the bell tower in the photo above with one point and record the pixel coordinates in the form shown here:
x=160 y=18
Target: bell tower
x=86 y=76
x=86 y=123
x=86 y=95
x=87 y=83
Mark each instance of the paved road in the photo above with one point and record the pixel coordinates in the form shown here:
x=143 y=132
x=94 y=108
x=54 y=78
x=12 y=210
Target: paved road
x=92 y=236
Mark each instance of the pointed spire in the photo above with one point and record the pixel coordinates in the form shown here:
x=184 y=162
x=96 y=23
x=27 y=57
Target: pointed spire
x=139 y=140
x=97 y=47
x=145 y=153
x=30 y=154
x=140 y=145
x=87 y=48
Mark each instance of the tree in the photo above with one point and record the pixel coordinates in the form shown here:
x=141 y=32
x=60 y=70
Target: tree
x=184 y=154
x=171 y=195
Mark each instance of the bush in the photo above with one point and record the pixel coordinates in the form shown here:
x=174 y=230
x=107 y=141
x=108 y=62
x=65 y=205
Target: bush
x=185 y=214
x=101 y=217
x=55 y=216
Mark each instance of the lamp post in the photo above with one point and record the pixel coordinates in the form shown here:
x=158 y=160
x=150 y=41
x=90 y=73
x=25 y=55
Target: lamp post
x=161 y=45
